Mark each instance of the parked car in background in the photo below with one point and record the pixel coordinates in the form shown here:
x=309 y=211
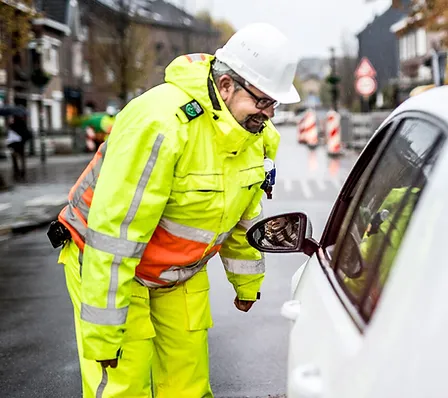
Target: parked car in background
x=369 y=309
x=283 y=117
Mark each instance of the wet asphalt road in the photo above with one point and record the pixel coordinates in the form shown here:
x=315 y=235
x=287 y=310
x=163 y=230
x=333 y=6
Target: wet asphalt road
x=248 y=351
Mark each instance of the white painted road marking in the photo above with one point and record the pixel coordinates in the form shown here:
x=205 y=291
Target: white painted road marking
x=306 y=189
x=287 y=185
x=320 y=184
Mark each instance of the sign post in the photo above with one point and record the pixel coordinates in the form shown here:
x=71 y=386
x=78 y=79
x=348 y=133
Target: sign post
x=365 y=82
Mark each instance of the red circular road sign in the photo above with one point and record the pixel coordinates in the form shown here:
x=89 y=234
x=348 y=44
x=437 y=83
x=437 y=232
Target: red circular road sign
x=365 y=85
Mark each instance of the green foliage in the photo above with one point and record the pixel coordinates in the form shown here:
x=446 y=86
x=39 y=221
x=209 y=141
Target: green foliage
x=15 y=27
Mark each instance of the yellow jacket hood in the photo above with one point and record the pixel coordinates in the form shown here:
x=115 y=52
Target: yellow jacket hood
x=192 y=74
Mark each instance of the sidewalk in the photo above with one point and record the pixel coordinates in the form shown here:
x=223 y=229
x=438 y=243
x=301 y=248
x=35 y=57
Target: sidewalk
x=38 y=201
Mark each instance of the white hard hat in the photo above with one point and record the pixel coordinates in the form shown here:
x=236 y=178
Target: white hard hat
x=263 y=56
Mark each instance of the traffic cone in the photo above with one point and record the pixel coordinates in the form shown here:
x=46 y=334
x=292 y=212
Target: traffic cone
x=310 y=128
x=333 y=129
x=301 y=134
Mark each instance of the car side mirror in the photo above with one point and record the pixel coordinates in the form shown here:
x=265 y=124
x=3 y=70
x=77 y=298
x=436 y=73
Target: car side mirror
x=284 y=233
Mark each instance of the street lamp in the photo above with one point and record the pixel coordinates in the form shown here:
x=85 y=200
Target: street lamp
x=40 y=80
x=333 y=80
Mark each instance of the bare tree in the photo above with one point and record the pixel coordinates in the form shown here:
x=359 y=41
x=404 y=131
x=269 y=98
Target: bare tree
x=225 y=28
x=120 y=45
x=15 y=32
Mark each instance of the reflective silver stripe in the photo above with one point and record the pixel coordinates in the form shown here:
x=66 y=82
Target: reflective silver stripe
x=84 y=209
x=178 y=273
x=119 y=247
x=243 y=267
x=75 y=222
x=246 y=224
x=87 y=182
x=90 y=179
x=141 y=186
x=103 y=316
x=185 y=232
x=196 y=57
x=181 y=273
x=103 y=148
x=150 y=284
x=103 y=383
x=222 y=237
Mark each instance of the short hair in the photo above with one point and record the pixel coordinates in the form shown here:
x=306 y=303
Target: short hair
x=220 y=69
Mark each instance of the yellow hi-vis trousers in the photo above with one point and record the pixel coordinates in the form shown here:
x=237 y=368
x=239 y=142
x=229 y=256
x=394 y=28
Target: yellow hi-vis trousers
x=165 y=347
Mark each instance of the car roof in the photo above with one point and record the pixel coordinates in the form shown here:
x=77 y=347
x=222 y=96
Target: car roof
x=433 y=101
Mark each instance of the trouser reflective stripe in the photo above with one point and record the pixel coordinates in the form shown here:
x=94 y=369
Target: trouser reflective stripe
x=180 y=316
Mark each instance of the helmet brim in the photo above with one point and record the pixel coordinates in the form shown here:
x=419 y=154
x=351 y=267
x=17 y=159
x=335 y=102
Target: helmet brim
x=289 y=97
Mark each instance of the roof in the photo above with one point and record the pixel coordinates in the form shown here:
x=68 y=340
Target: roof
x=433 y=102
x=387 y=18
x=162 y=13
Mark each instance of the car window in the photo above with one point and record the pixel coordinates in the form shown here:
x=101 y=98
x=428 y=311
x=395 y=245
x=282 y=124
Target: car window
x=379 y=219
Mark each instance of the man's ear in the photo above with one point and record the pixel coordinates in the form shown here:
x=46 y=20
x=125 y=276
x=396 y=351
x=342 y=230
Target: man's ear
x=225 y=87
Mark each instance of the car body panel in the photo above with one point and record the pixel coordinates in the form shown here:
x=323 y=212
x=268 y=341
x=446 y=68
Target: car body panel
x=402 y=352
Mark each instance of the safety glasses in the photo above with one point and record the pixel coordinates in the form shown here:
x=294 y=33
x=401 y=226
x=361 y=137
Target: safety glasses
x=260 y=102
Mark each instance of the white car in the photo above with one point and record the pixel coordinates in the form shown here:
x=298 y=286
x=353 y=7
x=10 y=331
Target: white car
x=369 y=309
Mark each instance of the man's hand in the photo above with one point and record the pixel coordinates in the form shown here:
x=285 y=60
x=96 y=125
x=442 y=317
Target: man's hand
x=243 y=305
x=109 y=362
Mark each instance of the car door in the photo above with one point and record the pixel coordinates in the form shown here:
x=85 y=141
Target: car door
x=336 y=293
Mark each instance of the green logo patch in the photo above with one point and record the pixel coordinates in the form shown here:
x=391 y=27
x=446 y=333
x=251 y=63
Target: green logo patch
x=192 y=110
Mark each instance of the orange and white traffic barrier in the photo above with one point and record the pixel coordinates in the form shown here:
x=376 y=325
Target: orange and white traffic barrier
x=333 y=129
x=301 y=135
x=310 y=129
x=90 y=139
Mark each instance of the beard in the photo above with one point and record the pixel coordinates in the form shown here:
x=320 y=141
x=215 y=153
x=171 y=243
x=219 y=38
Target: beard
x=254 y=123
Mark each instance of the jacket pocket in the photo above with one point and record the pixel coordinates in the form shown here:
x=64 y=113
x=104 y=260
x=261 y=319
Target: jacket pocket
x=198 y=182
x=197 y=302
x=197 y=192
x=138 y=322
x=252 y=176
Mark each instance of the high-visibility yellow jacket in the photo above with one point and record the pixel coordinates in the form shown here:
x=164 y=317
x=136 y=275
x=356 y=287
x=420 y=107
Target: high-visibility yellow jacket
x=177 y=182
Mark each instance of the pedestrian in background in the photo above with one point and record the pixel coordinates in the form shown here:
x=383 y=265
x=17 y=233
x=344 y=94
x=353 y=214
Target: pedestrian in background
x=18 y=136
x=181 y=177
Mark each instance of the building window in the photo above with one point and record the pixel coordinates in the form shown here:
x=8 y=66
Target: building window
x=51 y=59
x=403 y=53
x=421 y=42
x=87 y=75
x=110 y=75
x=413 y=45
x=77 y=59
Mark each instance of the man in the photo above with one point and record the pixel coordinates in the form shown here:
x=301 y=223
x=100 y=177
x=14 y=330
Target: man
x=177 y=182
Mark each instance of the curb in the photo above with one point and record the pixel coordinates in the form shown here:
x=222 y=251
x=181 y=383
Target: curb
x=22 y=227
x=38 y=213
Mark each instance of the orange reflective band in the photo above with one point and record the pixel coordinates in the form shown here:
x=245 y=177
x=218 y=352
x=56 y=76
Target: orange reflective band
x=88 y=196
